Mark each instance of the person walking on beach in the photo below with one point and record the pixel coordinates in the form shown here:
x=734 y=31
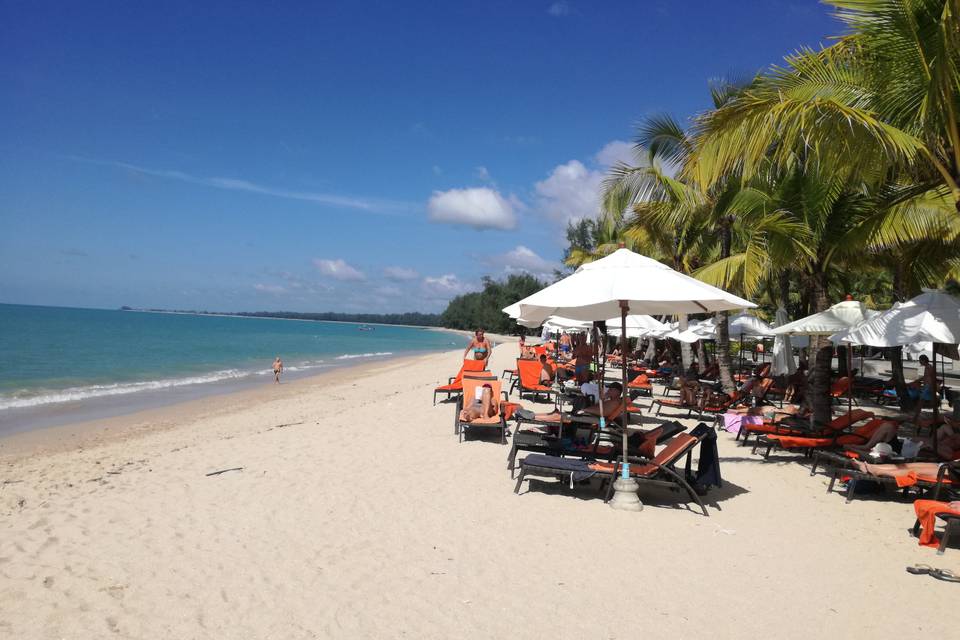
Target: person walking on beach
x=480 y=346
x=277 y=369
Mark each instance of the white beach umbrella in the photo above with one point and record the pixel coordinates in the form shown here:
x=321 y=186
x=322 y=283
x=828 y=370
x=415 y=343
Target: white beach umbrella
x=638 y=326
x=840 y=317
x=619 y=284
x=595 y=291
x=749 y=326
x=932 y=316
x=559 y=323
x=704 y=330
x=783 y=362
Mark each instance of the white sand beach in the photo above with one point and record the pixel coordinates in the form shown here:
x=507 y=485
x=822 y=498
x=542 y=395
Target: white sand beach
x=357 y=514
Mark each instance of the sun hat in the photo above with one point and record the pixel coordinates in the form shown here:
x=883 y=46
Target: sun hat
x=881 y=450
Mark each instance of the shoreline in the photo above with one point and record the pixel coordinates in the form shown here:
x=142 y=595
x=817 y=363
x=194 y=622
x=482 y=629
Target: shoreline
x=84 y=432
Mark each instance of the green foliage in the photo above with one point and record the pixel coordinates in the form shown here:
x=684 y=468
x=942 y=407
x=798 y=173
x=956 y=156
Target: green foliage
x=482 y=309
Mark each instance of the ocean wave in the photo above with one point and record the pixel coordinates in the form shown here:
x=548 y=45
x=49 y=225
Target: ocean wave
x=351 y=356
x=74 y=394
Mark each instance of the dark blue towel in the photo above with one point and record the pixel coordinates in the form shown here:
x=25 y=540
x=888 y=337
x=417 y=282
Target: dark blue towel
x=580 y=469
x=708 y=467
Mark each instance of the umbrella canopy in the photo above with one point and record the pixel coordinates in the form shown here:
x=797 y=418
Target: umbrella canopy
x=839 y=317
x=705 y=330
x=746 y=325
x=783 y=362
x=638 y=326
x=595 y=290
x=559 y=323
x=930 y=317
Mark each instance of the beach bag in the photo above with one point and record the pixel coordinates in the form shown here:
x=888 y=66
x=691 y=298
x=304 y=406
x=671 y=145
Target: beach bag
x=910 y=447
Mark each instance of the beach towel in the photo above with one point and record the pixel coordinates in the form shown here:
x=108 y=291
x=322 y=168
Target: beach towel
x=578 y=469
x=733 y=421
x=927 y=512
x=708 y=467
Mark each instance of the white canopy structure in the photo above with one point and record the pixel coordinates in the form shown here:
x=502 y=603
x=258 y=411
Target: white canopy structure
x=840 y=317
x=638 y=326
x=705 y=330
x=932 y=316
x=749 y=326
x=596 y=289
x=559 y=323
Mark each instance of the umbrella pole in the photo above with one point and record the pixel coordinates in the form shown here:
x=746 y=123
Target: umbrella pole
x=625 y=488
x=740 y=368
x=601 y=370
x=850 y=378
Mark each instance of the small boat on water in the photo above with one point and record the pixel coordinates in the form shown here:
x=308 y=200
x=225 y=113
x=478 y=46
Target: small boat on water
x=364 y=327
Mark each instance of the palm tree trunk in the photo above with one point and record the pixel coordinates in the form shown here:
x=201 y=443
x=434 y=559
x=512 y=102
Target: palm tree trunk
x=723 y=325
x=701 y=355
x=896 y=353
x=899 y=383
x=724 y=361
x=819 y=386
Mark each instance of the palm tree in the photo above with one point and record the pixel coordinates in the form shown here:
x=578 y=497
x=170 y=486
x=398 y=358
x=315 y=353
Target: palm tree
x=884 y=97
x=664 y=215
x=821 y=227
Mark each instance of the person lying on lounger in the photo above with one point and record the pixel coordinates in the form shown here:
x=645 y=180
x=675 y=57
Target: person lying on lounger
x=484 y=405
x=928 y=469
x=885 y=433
x=611 y=404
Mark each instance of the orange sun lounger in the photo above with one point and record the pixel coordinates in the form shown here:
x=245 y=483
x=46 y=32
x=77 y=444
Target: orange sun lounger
x=455 y=384
x=832 y=431
x=497 y=422
x=860 y=435
x=528 y=380
x=768 y=434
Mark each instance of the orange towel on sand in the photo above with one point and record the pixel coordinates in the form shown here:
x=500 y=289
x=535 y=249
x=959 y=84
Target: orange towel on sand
x=927 y=511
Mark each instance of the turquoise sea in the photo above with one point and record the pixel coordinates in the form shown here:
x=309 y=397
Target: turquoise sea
x=63 y=359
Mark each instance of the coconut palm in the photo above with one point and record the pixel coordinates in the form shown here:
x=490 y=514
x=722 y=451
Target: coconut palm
x=665 y=215
x=885 y=96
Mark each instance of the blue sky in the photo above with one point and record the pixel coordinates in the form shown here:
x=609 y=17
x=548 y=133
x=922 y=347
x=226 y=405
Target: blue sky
x=355 y=156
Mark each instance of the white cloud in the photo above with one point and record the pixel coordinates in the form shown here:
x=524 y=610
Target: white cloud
x=559 y=9
x=480 y=208
x=445 y=286
x=615 y=152
x=400 y=274
x=524 y=259
x=571 y=192
x=232 y=184
x=483 y=174
x=338 y=269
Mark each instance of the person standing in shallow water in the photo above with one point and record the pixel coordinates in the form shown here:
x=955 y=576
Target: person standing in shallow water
x=277 y=369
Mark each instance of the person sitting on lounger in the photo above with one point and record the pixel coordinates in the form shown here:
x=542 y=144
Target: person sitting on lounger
x=796 y=385
x=547 y=371
x=484 y=405
x=690 y=385
x=611 y=404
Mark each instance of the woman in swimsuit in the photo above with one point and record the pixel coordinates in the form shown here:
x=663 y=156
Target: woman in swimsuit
x=480 y=346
